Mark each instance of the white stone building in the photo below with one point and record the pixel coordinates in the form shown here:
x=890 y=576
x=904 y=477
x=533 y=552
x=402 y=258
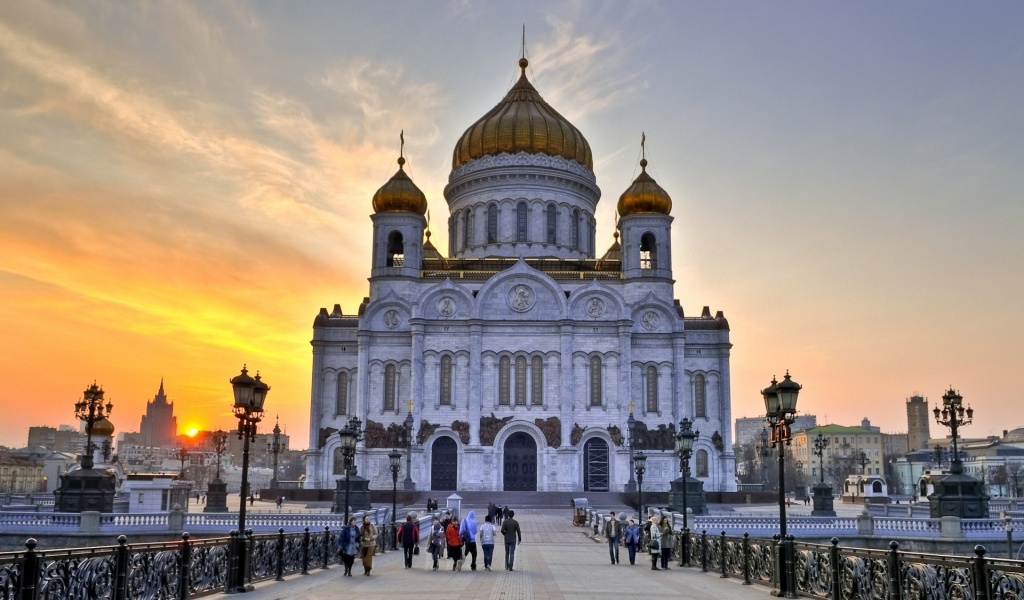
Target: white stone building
x=523 y=352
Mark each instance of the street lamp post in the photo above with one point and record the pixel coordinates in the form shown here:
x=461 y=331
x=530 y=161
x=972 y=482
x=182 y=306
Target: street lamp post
x=220 y=444
x=766 y=451
x=395 y=462
x=862 y=458
x=823 y=501
x=407 y=427
x=958 y=494
x=820 y=444
x=640 y=467
x=250 y=394
x=684 y=448
x=91 y=410
x=631 y=428
x=780 y=411
x=182 y=457
x=275 y=447
x=349 y=435
x=1009 y=536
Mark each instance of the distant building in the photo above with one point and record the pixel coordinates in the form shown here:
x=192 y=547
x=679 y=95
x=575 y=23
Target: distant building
x=917 y=423
x=159 y=427
x=748 y=429
x=63 y=439
x=21 y=474
x=842 y=456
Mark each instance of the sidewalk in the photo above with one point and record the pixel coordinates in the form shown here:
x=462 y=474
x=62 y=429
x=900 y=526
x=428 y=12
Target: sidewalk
x=556 y=561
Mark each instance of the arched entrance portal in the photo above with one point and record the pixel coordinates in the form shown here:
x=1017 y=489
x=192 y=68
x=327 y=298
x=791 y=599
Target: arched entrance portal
x=444 y=464
x=595 y=465
x=520 y=463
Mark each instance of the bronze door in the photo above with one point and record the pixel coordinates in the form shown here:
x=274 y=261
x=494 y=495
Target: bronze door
x=595 y=465
x=520 y=463
x=444 y=464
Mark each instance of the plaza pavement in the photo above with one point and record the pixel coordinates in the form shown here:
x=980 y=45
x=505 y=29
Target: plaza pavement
x=556 y=561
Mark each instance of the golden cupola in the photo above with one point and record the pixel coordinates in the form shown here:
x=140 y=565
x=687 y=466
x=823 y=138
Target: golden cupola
x=644 y=195
x=522 y=122
x=400 y=194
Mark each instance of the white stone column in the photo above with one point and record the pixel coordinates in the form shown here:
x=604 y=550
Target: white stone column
x=680 y=386
x=363 y=377
x=566 y=388
x=417 y=375
x=474 y=401
x=316 y=414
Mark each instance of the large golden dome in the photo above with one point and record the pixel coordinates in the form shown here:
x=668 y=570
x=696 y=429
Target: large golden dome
x=522 y=122
x=400 y=194
x=644 y=196
x=103 y=428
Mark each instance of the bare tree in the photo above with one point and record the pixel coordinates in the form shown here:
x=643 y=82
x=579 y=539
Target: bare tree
x=997 y=475
x=1015 y=478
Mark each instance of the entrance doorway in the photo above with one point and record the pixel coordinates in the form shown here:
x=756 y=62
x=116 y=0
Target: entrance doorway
x=444 y=464
x=595 y=465
x=520 y=463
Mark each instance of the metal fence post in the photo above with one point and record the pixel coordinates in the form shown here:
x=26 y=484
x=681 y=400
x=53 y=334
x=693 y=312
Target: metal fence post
x=834 y=559
x=121 y=569
x=249 y=547
x=895 y=591
x=981 y=589
x=305 y=551
x=29 y=571
x=280 y=554
x=185 y=556
x=790 y=550
x=327 y=545
x=746 y=559
x=776 y=574
x=704 y=550
x=722 y=555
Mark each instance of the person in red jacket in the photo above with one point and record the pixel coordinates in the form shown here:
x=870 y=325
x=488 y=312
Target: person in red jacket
x=408 y=535
x=454 y=544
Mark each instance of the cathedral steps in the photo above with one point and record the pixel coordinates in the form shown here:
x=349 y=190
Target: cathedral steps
x=518 y=500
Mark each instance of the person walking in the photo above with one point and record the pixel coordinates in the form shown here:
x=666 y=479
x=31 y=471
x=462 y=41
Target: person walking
x=468 y=531
x=654 y=546
x=454 y=543
x=513 y=537
x=348 y=545
x=436 y=544
x=408 y=535
x=611 y=533
x=631 y=538
x=667 y=540
x=367 y=544
x=487 y=540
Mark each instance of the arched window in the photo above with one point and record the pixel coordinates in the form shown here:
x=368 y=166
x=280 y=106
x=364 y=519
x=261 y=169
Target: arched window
x=452 y=225
x=464 y=218
x=576 y=229
x=648 y=258
x=396 y=249
x=341 y=405
x=537 y=380
x=504 y=366
x=595 y=381
x=492 y=224
x=876 y=487
x=700 y=398
x=652 y=389
x=389 y=387
x=521 y=222
x=468 y=243
x=521 y=380
x=552 y=215
x=702 y=463
x=590 y=236
x=446 y=381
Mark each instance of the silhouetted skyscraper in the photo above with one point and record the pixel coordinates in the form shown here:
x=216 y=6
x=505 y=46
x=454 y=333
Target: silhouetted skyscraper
x=159 y=426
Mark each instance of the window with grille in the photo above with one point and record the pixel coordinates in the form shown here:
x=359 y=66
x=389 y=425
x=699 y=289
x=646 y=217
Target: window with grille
x=576 y=229
x=341 y=405
x=521 y=380
x=595 y=381
x=446 y=381
x=521 y=222
x=647 y=254
x=700 y=399
x=389 y=387
x=492 y=224
x=702 y=463
x=465 y=229
x=469 y=229
x=552 y=222
x=652 y=389
x=504 y=366
x=537 y=380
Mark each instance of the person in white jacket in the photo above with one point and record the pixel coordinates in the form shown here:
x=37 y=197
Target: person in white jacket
x=487 y=540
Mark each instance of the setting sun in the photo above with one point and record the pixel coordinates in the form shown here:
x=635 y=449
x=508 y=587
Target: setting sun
x=192 y=432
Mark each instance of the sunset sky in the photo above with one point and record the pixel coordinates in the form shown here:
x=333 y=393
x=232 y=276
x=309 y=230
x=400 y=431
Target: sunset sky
x=184 y=184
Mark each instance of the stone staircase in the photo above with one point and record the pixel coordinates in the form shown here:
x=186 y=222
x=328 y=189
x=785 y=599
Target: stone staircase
x=534 y=500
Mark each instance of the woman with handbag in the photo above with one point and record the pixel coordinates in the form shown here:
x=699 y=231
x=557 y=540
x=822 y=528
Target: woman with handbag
x=348 y=545
x=368 y=546
x=436 y=544
x=655 y=544
x=667 y=540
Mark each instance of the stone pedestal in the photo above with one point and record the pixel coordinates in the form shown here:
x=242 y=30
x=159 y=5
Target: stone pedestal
x=695 y=498
x=86 y=490
x=958 y=495
x=216 y=497
x=358 y=495
x=822 y=499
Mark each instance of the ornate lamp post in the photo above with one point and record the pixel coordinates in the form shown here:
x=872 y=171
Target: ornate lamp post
x=217 y=490
x=862 y=459
x=275 y=447
x=182 y=455
x=780 y=412
x=349 y=435
x=250 y=394
x=91 y=410
x=765 y=449
x=957 y=494
x=631 y=428
x=822 y=491
x=88 y=488
x=407 y=426
x=640 y=467
x=684 y=448
x=395 y=462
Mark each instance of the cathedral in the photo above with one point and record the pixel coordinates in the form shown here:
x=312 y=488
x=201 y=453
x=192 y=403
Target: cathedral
x=521 y=355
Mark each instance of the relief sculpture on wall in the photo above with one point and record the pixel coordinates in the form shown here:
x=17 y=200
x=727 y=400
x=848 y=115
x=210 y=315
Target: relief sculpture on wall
x=577 y=434
x=662 y=438
x=551 y=427
x=461 y=428
x=427 y=429
x=489 y=428
x=325 y=434
x=616 y=434
x=376 y=436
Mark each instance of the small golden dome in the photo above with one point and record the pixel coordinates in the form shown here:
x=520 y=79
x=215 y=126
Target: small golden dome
x=400 y=194
x=644 y=196
x=103 y=428
x=522 y=122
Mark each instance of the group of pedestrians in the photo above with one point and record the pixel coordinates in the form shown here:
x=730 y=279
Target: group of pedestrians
x=357 y=541
x=659 y=534
x=458 y=540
